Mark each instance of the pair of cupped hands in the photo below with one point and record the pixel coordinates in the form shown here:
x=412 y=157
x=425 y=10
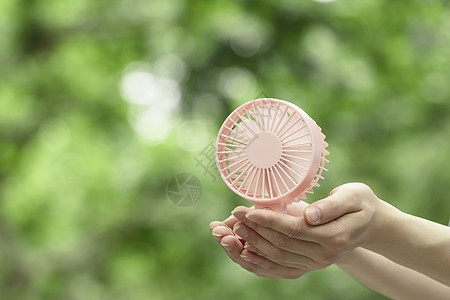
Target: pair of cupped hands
x=309 y=237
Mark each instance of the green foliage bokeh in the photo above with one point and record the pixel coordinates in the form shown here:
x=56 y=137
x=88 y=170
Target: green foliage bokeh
x=84 y=211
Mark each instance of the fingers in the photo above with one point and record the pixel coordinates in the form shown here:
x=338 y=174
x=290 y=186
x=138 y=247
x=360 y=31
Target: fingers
x=317 y=253
x=221 y=231
x=271 y=251
x=233 y=247
x=240 y=212
x=293 y=209
x=276 y=241
x=282 y=241
x=214 y=224
x=230 y=221
x=296 y=208
x=270 y=266
x=339 y=203
x=290 y=226
x=251 y=261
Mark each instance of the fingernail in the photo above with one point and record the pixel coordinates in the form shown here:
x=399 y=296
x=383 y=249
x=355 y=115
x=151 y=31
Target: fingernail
x=242 y=232
x=245 y=257
x=216 y=234
x=313 y=214
x=226 y=246
x=250 y=248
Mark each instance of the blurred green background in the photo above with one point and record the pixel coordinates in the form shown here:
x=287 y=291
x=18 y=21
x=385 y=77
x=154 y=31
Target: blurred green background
x=103 y=102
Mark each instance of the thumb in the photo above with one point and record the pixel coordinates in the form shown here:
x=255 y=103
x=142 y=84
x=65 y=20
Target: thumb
x=330 y=208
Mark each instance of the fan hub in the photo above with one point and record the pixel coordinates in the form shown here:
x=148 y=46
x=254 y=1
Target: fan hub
x=264 y=150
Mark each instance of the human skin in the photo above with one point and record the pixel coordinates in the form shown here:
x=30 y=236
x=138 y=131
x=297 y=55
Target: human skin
x=390 y=279
x=351 y=217
x=233 y=245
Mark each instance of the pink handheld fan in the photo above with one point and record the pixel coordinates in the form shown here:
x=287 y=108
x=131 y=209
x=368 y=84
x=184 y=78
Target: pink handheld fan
x=271 y=153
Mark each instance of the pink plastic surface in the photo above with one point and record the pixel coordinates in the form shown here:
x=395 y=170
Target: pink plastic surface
x=271 y=153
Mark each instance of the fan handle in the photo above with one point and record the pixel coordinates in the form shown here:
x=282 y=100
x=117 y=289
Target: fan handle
x=277 y=207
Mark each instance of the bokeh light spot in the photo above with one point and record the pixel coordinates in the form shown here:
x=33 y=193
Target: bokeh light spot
x=171 y=66
x=245 y=41
x=153 y=125
x=140 y=86
x=237 y=83
x=153 y=100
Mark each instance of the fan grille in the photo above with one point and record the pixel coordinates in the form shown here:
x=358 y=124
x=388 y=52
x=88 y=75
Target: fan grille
x=268 y=150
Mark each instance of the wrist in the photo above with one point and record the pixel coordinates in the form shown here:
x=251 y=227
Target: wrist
x=385 y=222
x=348 y=258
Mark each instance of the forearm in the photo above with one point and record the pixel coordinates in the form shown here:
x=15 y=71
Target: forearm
x=390 y=279
x=415 y=243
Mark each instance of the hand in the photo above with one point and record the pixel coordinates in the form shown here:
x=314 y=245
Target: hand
x=252 y=262
x=349 y=218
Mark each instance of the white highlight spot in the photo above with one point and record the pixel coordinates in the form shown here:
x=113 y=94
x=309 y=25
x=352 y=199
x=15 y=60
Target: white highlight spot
x=237 y=83
x=142 y=87
x=152 y=125
x=245 y=41
x=153 y=98
x=171 y=66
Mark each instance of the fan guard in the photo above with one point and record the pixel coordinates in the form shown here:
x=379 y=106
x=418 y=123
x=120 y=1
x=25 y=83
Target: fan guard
x=271 y=152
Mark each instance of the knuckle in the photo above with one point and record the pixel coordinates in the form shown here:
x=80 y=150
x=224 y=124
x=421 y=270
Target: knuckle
x=330 y=208
x=339 y=241
x=279 y=256
x=295 y=229
x=361 y=190
x=362 y=187
x=270 y=220
x=281 y=241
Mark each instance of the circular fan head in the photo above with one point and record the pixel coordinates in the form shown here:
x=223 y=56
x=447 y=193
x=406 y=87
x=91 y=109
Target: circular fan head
x=270 y=152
